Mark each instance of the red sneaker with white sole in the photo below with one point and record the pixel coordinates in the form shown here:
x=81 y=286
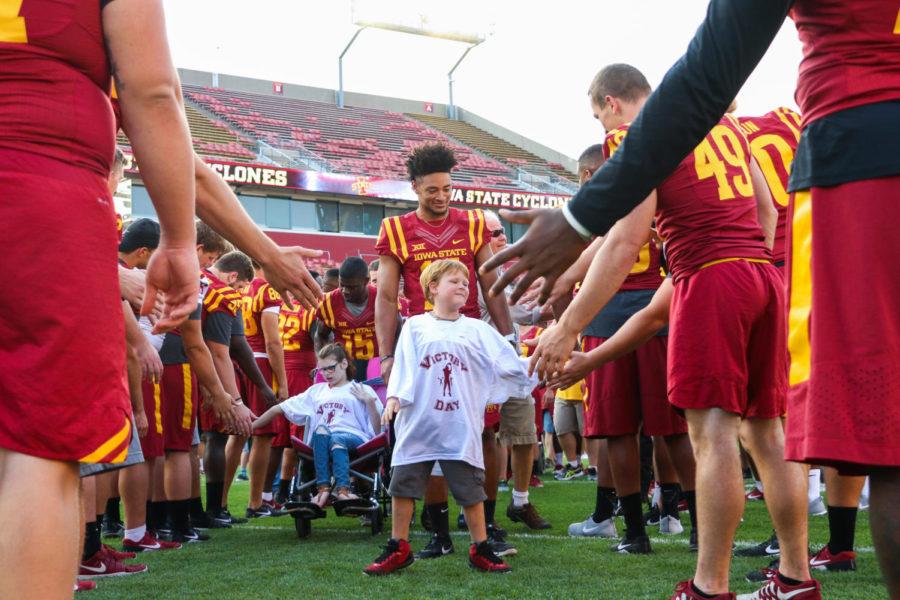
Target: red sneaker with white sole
x=149 y=543
x=85 y=586
x=825 y=560
x=104 y=565
x=775 y=589
x=755 y=494
x=117 y=554
x=685 y=591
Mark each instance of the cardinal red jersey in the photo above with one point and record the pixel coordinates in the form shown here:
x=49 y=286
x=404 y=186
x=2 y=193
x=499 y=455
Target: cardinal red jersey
x=646 y=274
x=219 y=297
x=706 y=210
x=773 y=141
x=295 y=326
x=54 y=87
x=416 y=244
x=259 y=297
x=356 y=332
x=851 y=54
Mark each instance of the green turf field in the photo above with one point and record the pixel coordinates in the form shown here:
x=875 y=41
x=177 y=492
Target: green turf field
x=265 y=559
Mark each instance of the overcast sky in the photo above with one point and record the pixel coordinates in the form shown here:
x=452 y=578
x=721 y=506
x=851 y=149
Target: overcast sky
x=530 y=75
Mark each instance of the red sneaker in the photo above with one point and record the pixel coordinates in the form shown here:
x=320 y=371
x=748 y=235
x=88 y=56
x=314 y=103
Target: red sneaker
x=755 y=494
x=396 y=556
x=774 y=589
x=685 y=591
x=117 y=554
x=273 y=505
x=535 y=482
x=104 y=565
x=483 y=558
x=149 y=543
x=85 y=586
x=825 y=560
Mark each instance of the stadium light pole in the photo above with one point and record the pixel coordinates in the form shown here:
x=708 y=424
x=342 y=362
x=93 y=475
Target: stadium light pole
x=466 y=38
x=340 y=98
x=451 y=108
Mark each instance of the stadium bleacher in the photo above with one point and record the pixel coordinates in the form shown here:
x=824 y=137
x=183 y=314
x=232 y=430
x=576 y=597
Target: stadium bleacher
x=494 y=146
x=347 y=140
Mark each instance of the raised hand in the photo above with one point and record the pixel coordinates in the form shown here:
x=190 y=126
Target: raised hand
x=286 y=272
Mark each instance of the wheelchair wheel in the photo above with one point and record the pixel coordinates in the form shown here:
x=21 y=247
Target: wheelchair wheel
x=303 y=527
x=377 y=520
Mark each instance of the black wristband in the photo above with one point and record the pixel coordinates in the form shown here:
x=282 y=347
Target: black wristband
x=386 y=356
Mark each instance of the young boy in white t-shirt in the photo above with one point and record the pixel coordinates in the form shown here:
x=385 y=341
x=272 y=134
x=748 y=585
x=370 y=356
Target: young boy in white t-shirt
x=340 y=414
x=447 y=368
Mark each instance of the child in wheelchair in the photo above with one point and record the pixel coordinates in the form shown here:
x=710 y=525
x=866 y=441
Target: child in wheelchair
x=341 y=415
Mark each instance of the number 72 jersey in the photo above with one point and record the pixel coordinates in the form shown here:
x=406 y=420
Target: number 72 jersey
x=706 y=210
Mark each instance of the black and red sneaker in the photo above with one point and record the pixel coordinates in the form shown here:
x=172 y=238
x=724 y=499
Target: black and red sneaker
x=396 y=556
x=149 y=543
x=85 y=586
x=483 y=558
x=686 y=591
x=825 y=560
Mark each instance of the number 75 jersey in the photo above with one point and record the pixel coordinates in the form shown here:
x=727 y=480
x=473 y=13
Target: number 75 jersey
x=706 y=210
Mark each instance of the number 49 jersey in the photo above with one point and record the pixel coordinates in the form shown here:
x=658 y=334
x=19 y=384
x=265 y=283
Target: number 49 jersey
x=706 y=210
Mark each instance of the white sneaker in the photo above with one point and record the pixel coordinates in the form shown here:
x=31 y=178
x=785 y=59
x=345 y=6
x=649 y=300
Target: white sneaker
x=817 y=507
x=590 y=528
x=670 y=526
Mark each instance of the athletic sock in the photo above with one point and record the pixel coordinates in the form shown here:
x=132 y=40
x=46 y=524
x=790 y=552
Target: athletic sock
x=490 y=506
x=149 y=520
x=691 y=499
x=267 y=496
x=558 y=458
x=113 y=513
x=700 y=592
x=159 y=514
x=214 y=491
x=284 y=490
x=440 y=519
x=92 y=543
x=633 y=513
x=670 y=498
x=572 y=464
x=136 y=534
x=535 y=468
x=196 y=507
x=787 y=580
x=100 y=520
x=841 y=528
x=814 y=485
x=180 y=515
x=605 y=505
x=520 y=499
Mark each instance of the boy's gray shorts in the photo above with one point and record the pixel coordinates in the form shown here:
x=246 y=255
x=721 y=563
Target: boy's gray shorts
x=466 y=482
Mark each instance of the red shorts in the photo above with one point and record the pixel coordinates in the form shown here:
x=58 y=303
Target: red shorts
x=208 y=419
x=630 y=391
x=492 y=417
x=727 y=335
x=63 y=391
x=257 y=403
x=152 y=443
x=844 y=342
x=180 y=396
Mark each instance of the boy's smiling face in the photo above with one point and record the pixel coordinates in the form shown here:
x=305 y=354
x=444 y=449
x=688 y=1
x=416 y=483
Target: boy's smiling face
x=451 y=291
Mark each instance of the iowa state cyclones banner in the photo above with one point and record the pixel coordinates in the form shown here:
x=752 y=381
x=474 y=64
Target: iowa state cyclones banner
x=269 y=176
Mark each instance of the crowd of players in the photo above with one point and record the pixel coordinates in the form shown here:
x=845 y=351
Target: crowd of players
x=212 y=337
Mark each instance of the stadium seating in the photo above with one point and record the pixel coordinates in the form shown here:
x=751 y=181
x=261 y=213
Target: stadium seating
x=493 y=146
x=211 y=138
x=347 y=140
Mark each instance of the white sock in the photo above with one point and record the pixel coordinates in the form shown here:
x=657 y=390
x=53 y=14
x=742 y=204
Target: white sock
x=519 y=498
x=559 y=458
x=573 y=464
x=657 y=496
x=136 y=534
x=864 y=495
x=813 y=489
x=267 y=496
x=759 y=485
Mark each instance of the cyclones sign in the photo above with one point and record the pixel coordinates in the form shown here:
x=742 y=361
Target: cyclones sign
x=269 y=176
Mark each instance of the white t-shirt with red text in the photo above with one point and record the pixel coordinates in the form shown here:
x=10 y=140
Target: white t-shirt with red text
x=444 y=374
x=334 y=407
